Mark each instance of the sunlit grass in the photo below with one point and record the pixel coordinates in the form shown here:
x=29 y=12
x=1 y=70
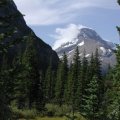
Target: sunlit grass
x=51 y=118
x=59 y=118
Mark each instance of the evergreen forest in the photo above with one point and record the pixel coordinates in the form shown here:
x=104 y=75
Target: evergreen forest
x=74 y=91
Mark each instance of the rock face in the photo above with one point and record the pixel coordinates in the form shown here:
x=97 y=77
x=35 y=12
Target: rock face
x=8 y=9
x=88 y=40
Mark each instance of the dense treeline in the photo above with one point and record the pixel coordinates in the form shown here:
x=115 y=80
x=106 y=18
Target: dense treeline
x=27 y=87
x=112 y=89
x=79 y=85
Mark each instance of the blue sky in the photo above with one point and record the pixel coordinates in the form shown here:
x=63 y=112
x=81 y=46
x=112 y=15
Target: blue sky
x=45 y=17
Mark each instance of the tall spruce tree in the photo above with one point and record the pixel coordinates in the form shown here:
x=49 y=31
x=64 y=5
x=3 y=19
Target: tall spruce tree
x=97 y=65
x=84 y=68
x=21 y=83
x=91 y=100
x=91 y=69
x=79 y=91
x=69 y=85
x=65 y=62
x=75 y=79
x=48 y=83
x=58 y=87
x=28 y=79
x=30 y=59
x=61 y=83
x=84 y=77
x=98 y=73
x=113 y=91
x=40 y=99
x=7 y=78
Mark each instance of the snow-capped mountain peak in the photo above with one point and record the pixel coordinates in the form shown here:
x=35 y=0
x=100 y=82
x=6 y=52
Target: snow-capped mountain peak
x=87 y=40
x=82 y=27
x=68 y=35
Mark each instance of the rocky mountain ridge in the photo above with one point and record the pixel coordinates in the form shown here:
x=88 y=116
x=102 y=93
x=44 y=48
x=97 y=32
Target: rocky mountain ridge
x=88 y=41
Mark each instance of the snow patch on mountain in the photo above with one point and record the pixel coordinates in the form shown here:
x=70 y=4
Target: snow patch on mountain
x=67 y=45
x=67 y=35
x=70 y=51
x=81 y=44
x=103 y=50
x=109 y=50
x=70 y=43
x=80 y=54
x=87 y=55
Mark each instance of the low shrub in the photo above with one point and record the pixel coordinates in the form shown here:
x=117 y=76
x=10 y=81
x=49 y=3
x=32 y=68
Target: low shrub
x=24 y=114
x=56 y=110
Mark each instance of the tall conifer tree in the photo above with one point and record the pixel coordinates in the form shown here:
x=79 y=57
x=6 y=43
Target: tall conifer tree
x=91 y=100
x=49 y=83
x=61 y=84
x=75 y=79
x=58 y=87
x=113 y=91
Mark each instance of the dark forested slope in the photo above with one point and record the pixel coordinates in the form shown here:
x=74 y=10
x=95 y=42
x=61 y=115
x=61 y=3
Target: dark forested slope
x=12 y=24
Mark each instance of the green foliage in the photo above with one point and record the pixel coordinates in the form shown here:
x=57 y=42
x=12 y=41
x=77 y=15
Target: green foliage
x=56 y=110
x=113 y=91
x=49 y=84
x=29 y=79
x=79 y=117
x=5 y=111
x=78 y=88
x=69 y=85
x=6 y=71
x=24 y=114
x=51 y=118
x=91 y=100
x=97 y=65
x=112 y=97
x=75 y=78
x=61 y=83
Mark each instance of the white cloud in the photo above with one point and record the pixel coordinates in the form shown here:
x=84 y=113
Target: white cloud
x=46 y=12
x=68 y=34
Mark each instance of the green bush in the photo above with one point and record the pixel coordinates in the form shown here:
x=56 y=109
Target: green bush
x=56 y=110
x=24 y=114
x=63 y=110
x=50 y=109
